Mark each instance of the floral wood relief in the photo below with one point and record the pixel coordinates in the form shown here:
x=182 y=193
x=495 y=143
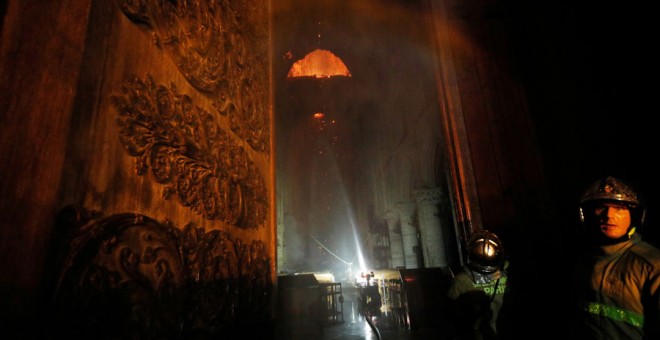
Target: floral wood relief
x=130 y=276
x=221 y=47
x=183 y=148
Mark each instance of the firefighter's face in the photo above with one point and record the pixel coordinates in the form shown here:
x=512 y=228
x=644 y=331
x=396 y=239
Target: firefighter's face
x=613 y=219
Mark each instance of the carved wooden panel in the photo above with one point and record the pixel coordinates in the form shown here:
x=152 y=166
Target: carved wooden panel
x=184 y=148
x=222 y=48
x=129 y=276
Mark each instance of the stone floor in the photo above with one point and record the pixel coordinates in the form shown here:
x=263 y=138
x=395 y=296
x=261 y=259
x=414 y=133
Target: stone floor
x=389 y=325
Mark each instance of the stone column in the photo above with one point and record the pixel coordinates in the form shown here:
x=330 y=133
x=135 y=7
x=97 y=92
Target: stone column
x=396 y=241
x=430 y=226
x=409 y=234
x=290 y=245
x=281 y=247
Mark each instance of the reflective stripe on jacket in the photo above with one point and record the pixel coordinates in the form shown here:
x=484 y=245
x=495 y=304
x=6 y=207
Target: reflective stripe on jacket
x=620 y=289
x=615 y=313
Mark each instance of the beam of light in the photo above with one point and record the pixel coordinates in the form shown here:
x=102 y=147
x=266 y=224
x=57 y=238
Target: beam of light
x=358 y=243
x=330 y=251
x=360 y=255
x=344 y=217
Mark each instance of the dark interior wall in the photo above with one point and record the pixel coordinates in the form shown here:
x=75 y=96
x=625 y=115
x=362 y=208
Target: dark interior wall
x=586 y=69
x=508 y=176
x=40 y=60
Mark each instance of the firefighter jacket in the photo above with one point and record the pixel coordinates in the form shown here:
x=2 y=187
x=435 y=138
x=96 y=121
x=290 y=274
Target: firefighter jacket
x=476 y=301
x=618 y=291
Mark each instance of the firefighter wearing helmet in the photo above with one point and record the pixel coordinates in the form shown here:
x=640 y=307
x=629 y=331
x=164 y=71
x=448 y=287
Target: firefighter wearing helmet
x=618 y=274
x=476 y=293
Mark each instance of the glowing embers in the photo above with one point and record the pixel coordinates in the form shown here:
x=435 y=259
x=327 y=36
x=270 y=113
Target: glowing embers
x=319 y=64
x=321 y=124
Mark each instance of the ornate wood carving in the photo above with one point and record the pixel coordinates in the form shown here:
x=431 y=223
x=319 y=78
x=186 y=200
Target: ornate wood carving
x=188 y=152
x=129 y=276
x=221 y=47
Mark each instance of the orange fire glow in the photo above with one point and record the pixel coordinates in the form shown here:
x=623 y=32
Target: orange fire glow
x=319 y=64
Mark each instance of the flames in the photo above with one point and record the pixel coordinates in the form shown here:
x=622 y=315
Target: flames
x=319 y=64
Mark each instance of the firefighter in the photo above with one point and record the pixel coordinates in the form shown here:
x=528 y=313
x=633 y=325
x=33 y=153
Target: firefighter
x=370 y=300
x=476 y=293
x=617 y=274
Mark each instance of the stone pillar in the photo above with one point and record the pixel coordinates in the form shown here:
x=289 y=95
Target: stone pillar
x=396 y=241
x=430 y=227
x=281 y=247
x=290 y=245
x=409 y=234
